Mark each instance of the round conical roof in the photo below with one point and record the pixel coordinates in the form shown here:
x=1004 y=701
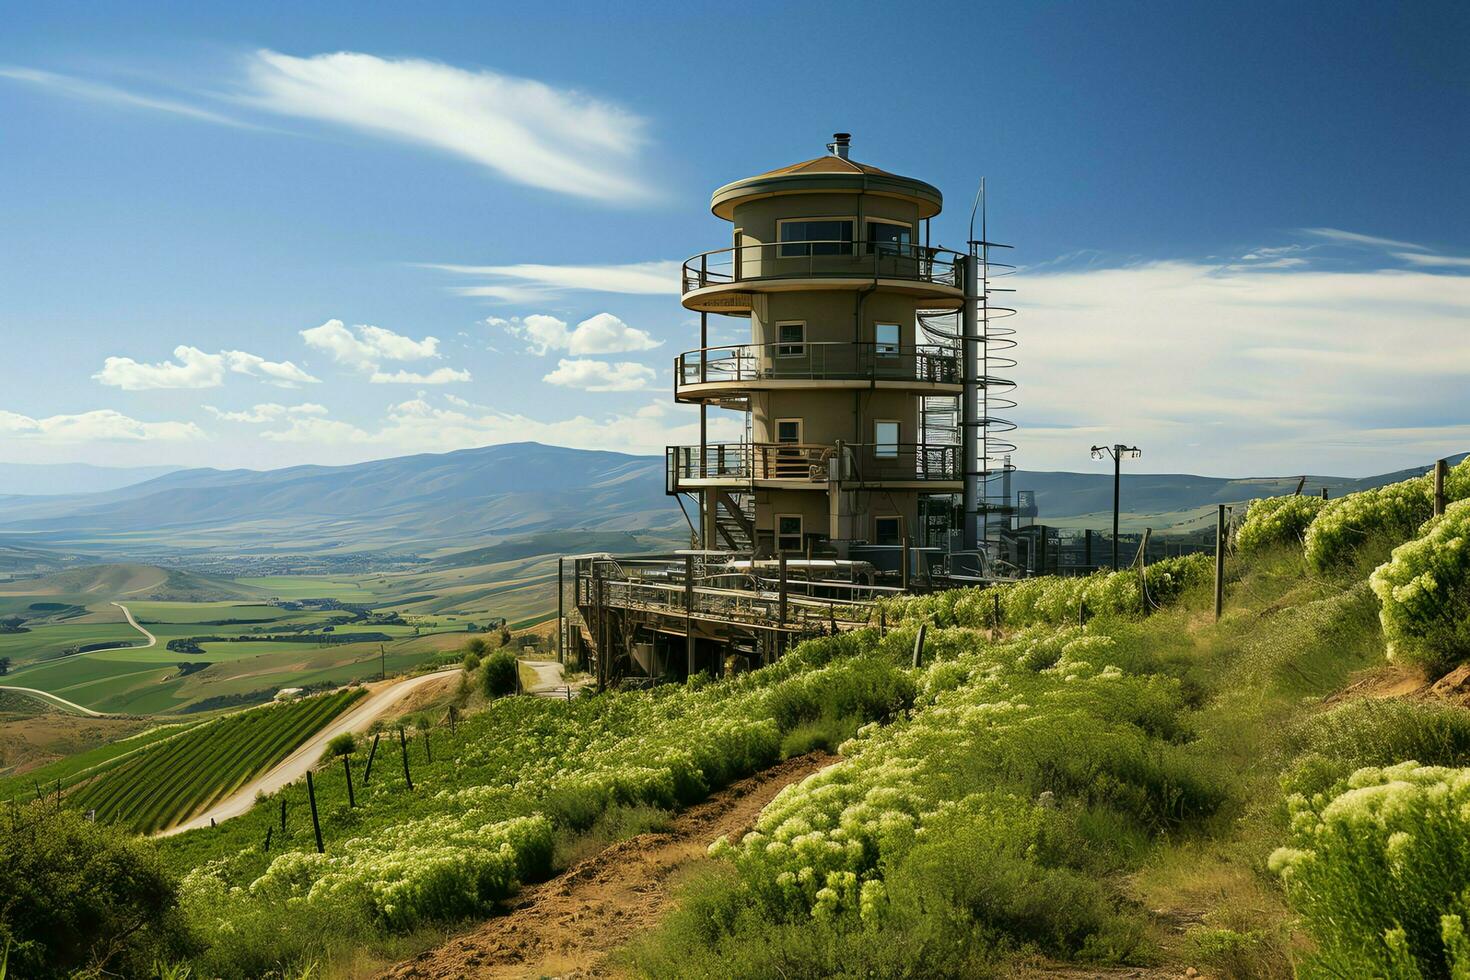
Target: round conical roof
x=826 y=174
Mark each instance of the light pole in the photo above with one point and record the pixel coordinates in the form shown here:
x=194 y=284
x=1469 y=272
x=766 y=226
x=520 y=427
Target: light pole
x=1117 y=450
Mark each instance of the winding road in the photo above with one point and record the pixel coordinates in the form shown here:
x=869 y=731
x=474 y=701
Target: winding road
x=378 y=703
x=72 y=705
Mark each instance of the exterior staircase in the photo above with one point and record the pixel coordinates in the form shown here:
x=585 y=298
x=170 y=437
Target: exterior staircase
x=735 y=521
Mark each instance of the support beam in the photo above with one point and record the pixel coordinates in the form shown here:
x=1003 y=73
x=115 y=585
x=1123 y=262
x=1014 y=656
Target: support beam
x=970 y=401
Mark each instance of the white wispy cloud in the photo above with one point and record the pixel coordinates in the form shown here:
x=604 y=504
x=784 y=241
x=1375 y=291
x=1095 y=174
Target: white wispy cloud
x=99 y=425
x=417 y=425
x=1436 y=261
x=105 y=93
x=528 y=282
x=1342 y=237
x=267 y=412
x=602 y=333
x=600 y=375
x=526 y=131
x=194 y=368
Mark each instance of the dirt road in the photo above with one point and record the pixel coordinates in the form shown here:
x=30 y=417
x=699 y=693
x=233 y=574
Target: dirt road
x=381 y=699
x=53 y=700
x=63 y=702
x=569 y=926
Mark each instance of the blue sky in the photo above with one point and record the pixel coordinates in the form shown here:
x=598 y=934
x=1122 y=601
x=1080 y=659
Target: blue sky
x=1244 y=229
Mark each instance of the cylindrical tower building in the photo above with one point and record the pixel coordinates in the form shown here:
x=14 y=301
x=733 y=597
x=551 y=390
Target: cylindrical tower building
x=831 y=266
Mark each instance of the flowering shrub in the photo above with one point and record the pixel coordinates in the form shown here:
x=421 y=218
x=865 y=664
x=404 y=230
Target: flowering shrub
x=1380 y=873
x=483 y=815
x=1425 y=594
x=1393 y=513
x=1050 y=599
x=1077 y=728
x=1276 y=520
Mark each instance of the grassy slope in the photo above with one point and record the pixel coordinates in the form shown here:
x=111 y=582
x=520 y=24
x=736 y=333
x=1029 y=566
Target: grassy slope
x=1198 y=894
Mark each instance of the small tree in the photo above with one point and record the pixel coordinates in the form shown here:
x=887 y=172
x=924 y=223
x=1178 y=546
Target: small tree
x=500 y=673
x=4 y=665
x=475 y=646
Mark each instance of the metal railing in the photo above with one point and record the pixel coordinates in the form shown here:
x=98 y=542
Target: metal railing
x=822 y=260
x=711 y=588
x=817 y=361
x=743 y=463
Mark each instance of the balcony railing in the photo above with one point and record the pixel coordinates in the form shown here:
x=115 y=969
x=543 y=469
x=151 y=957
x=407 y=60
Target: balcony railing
x=745 y=463
x=821 y=361
x=822 y=260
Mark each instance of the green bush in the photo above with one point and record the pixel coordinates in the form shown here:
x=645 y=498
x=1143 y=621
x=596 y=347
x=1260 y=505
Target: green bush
x=1276 y=521
x=1384 y=516
x=1380 y=874
x=500 y=673
x=1425 y=594
x=79 y=896
x=1334 y=744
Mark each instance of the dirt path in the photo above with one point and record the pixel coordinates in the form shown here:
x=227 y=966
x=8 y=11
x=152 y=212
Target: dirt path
x=380 y=701
x=53 y=700
x=568 y=926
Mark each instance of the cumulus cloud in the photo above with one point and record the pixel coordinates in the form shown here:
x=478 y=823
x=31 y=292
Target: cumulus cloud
x=267 y=412
x=103 y=424
x=599 y=334
x=438 y=376
x=368 y=345
x=524 y=130
x=194 y=368
x=528 y=282
x=600 y=375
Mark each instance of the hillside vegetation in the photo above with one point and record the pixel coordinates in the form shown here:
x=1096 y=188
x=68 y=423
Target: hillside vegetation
x=1087 y=770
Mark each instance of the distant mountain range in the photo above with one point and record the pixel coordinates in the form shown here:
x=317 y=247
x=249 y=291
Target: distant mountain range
x=56 y=478
x=514 y=500
x=407 y=505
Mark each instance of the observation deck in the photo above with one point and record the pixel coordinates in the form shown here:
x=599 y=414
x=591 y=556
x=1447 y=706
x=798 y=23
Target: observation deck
x=726 y=374
x=727 y=280
x=801 y=466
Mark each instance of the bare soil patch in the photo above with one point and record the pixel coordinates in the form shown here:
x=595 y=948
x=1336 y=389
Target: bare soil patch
x=570 y=925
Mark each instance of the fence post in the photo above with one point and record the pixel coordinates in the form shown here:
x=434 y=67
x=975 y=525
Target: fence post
x=1324 y=493
x=268 y=830
x=347 y=768
x=995 y=612
x=919 y=644
x=882 y=623
x=403 y=744
x=1219 y=559
x=316 y=826
x=781 y=589
x=688 y=609
x=371 y=752
x=1441 y=467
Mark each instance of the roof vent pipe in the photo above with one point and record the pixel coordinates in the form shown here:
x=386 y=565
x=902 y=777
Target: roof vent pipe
x=838 y=146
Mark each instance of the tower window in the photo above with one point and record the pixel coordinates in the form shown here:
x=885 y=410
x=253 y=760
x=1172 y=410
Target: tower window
x=815 y=236
x=886 y=337
x=788 y=431
x=890 y=238
x=791 y=340
x=885 y=440
x=888 y=530
x=788 y=532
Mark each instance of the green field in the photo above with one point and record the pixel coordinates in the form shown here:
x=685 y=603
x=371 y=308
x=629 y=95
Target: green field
x=75 y=608
x=46 y=642
x=86 y=765
x=176 y=777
